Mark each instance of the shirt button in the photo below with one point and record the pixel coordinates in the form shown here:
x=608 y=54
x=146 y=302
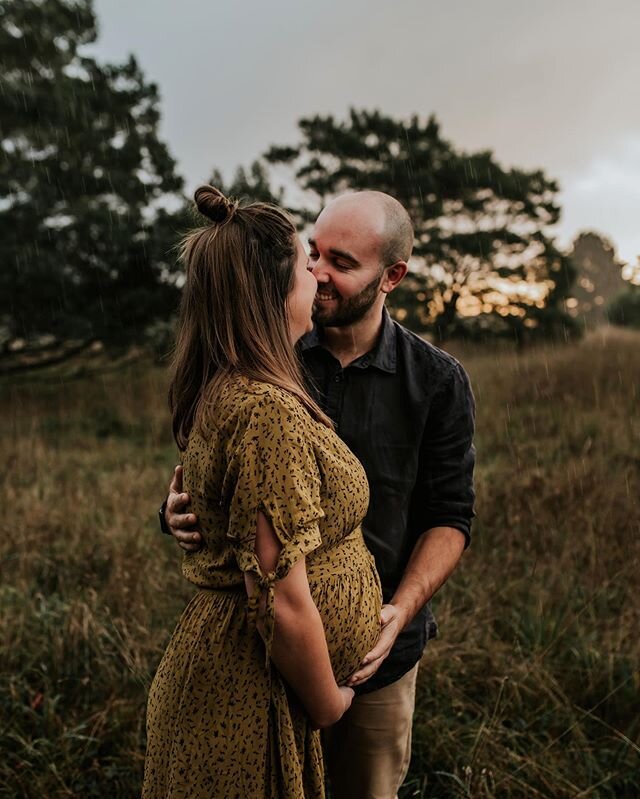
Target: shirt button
x=337 y=378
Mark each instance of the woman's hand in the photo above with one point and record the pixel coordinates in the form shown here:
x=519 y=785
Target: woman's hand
x=347 y=695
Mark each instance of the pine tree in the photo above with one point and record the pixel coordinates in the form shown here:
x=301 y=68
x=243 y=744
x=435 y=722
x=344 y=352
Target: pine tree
x=250 y=185
x=482 y=235
x=86 y=186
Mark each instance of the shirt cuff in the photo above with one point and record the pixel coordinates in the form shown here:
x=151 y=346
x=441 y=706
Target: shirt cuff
x=163 y=522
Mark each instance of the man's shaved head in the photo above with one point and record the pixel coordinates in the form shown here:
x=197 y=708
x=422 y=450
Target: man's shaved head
x=355 y=241
x=397 y=242
x=387 y=218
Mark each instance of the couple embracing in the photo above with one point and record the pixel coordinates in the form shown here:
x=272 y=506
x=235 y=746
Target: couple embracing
x=327 y=465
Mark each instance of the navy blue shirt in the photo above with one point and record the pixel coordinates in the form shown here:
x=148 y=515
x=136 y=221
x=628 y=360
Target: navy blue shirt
x=406 y=410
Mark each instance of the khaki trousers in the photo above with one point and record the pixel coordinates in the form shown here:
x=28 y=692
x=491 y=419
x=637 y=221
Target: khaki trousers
x=367 y=752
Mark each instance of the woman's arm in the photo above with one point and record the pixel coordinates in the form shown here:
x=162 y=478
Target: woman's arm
x=299 y=648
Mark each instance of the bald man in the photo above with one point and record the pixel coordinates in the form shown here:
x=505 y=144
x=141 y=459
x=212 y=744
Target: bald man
x=406 y=409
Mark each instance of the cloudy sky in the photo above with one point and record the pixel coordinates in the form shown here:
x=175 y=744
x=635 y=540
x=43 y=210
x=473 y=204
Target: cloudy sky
x=553 y=84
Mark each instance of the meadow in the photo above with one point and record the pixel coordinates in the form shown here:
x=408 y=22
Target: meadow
x=531 y=690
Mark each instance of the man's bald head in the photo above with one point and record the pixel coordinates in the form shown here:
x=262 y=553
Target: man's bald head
x=385 y=218
x=358 y=250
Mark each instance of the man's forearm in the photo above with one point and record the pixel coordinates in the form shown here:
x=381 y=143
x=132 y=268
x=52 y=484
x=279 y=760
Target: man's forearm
x=433 y=559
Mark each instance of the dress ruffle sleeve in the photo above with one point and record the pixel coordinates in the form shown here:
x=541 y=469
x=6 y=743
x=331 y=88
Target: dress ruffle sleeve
x=273 y=468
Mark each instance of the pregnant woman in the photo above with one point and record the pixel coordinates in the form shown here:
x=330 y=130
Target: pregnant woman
x=289 y=599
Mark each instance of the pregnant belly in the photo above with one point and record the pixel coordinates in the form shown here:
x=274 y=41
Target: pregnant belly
x=346 y=589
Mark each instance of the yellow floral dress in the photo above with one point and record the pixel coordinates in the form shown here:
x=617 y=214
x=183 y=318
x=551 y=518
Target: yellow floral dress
x=221 y=721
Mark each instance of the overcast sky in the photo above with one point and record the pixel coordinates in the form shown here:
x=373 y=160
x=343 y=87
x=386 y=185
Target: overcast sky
x=553 y=84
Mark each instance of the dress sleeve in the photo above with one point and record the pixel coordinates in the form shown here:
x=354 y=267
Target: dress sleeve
x=272 y=468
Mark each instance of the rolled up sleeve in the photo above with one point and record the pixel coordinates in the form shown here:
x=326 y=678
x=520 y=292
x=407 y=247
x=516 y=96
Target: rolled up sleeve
x=447 y=458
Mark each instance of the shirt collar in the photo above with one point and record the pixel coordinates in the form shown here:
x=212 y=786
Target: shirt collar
x=382 y=356
x=310 y=340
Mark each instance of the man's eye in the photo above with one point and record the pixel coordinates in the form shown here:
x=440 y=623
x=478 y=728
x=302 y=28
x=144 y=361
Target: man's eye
x=313 y=256
x=343 y=265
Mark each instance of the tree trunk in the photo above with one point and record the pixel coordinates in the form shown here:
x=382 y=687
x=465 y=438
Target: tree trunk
x=444 y=324
x=23 y=362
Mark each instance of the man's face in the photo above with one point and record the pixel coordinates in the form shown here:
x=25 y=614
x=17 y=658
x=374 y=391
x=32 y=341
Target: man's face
x=344 y=253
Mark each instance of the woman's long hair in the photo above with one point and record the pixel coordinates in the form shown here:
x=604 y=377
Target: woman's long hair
x=233 y=314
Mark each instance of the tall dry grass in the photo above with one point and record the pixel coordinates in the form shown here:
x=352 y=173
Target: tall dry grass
x=533 y=688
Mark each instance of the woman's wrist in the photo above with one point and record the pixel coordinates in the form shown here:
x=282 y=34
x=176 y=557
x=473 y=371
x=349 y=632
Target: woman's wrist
x=331 y=711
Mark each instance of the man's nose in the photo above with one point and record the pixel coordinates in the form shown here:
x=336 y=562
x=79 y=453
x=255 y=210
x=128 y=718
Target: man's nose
x=320 y=273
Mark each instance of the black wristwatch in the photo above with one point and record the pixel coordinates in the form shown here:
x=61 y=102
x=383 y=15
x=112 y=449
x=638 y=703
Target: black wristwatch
x=163 y=522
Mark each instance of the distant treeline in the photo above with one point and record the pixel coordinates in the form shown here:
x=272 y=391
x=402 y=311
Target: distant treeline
x=91 y=205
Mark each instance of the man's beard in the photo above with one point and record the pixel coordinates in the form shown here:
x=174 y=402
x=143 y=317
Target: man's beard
x=348 y=312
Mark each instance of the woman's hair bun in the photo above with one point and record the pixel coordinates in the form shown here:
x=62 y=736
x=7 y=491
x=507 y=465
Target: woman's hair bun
x=214 y=205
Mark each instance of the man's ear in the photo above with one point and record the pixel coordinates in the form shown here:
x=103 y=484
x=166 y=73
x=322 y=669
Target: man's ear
x=393 y=275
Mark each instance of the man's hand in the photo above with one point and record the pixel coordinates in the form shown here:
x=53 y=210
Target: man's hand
x=180 y=523
x=391 y=624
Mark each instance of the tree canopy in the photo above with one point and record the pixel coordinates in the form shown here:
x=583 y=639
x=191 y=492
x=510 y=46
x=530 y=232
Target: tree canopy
x=598 y=278
x=252 y=184
x=624 y=309
x=91 y=204
x=482 y=231
x=86 y=186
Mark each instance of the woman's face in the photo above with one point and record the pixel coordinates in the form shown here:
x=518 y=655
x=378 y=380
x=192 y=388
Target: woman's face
x=302 y=296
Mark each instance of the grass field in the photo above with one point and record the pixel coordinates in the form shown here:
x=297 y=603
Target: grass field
x=532 y=690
